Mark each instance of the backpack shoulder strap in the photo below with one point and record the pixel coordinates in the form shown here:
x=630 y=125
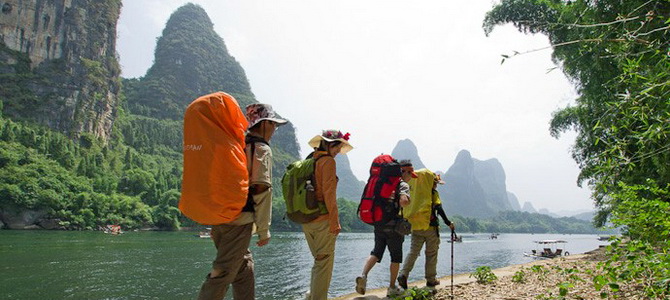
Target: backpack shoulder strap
x=252 y=140
x=314 y=170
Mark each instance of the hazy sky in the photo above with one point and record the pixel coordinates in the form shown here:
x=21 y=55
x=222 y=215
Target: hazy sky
x=390 y=70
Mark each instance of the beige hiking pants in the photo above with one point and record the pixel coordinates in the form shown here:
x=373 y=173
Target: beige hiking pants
x=431 y=238
x=322 y=245
x=234 y=259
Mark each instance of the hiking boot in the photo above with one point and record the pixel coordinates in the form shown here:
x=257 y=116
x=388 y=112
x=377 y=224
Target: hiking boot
x=361 y=281
x=393 y=292
x=432 y=283
x=402 y=281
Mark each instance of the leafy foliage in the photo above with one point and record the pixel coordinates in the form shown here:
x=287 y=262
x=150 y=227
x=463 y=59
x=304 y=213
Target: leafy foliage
x=519 y=277
x=484 y=275
x=416 y=293
x=34 y=180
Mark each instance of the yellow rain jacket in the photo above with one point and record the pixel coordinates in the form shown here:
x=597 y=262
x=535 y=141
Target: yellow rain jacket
x=422 y=200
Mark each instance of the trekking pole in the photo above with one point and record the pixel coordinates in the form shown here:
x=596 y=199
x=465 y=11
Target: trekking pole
x=453 y=240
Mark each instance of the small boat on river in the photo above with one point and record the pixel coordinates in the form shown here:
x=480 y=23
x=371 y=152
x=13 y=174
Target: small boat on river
x=205 y=234
x=456 y=239
x=550 y=249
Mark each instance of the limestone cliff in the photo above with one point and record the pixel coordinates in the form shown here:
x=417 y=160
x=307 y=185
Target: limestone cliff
x=348 y=186
x=405 y=149
x=59 y=65
x=462 y=193
x=528 y=207
x=475 y=188
x=513 y=201
x=491 y=177
x=192 y=60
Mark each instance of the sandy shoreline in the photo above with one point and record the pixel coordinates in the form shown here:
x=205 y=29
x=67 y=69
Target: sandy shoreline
x=466 y=287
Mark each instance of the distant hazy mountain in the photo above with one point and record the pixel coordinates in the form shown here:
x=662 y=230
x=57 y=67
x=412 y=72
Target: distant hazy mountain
x=491 y=177
x=572 y=212
x=545 y=211
x=476 y=188
x=513 y=201
x=462 y=192
x=348 y=186
x=405 y=149
x=528 y=207
x=586 y=216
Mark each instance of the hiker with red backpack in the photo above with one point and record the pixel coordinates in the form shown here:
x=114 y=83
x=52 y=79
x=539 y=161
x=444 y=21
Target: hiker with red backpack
x=423 y=214
x=321 y=232
x=227 y=183
x=386 y=192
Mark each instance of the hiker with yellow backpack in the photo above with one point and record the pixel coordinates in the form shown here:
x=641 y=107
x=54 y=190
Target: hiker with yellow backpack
x=422 y=213
x=227 y=183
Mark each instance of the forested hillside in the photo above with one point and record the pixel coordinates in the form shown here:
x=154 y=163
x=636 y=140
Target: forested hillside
x=524 y=222
x=132 y=175
x=64 y=162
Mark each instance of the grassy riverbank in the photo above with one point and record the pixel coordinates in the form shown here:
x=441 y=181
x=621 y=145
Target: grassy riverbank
x=570 y=277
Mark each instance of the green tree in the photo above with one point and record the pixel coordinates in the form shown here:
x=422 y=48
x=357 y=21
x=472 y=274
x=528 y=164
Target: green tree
x=617 y=54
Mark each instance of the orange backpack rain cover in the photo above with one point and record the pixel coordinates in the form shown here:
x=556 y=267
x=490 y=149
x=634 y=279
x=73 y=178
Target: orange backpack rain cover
x=215 y=181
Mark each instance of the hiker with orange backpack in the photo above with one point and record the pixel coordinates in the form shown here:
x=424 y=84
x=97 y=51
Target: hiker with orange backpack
x=227 y=184
x=322 y=231
x=386 y=192
x=423 y=213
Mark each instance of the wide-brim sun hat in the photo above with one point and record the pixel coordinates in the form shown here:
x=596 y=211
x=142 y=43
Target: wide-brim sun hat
x=438 y=179
x=258 y=112
x=331 y=136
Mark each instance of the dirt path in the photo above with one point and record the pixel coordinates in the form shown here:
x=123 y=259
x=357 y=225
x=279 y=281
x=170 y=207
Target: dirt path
x=543 y=279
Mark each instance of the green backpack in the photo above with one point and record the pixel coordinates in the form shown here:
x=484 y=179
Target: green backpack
x=299 y=190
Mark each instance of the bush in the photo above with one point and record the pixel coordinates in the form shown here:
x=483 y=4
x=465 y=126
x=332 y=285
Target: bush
x=484 y=275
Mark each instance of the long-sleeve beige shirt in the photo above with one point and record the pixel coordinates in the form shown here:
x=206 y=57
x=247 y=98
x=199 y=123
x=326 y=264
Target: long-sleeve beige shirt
x=260 y=173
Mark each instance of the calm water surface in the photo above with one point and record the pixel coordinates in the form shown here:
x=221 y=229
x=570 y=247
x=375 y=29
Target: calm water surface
x=172 y=265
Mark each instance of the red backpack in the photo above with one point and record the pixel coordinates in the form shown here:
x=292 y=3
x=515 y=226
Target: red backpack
x=377 y=207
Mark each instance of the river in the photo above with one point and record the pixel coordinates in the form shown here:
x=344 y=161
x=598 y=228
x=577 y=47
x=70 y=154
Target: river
x=172 y=265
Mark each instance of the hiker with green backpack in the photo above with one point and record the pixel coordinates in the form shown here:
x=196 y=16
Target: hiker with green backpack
x=309 y=188
x=234 y=263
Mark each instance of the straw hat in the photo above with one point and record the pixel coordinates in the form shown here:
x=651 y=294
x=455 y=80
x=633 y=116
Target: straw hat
x=332 y=135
